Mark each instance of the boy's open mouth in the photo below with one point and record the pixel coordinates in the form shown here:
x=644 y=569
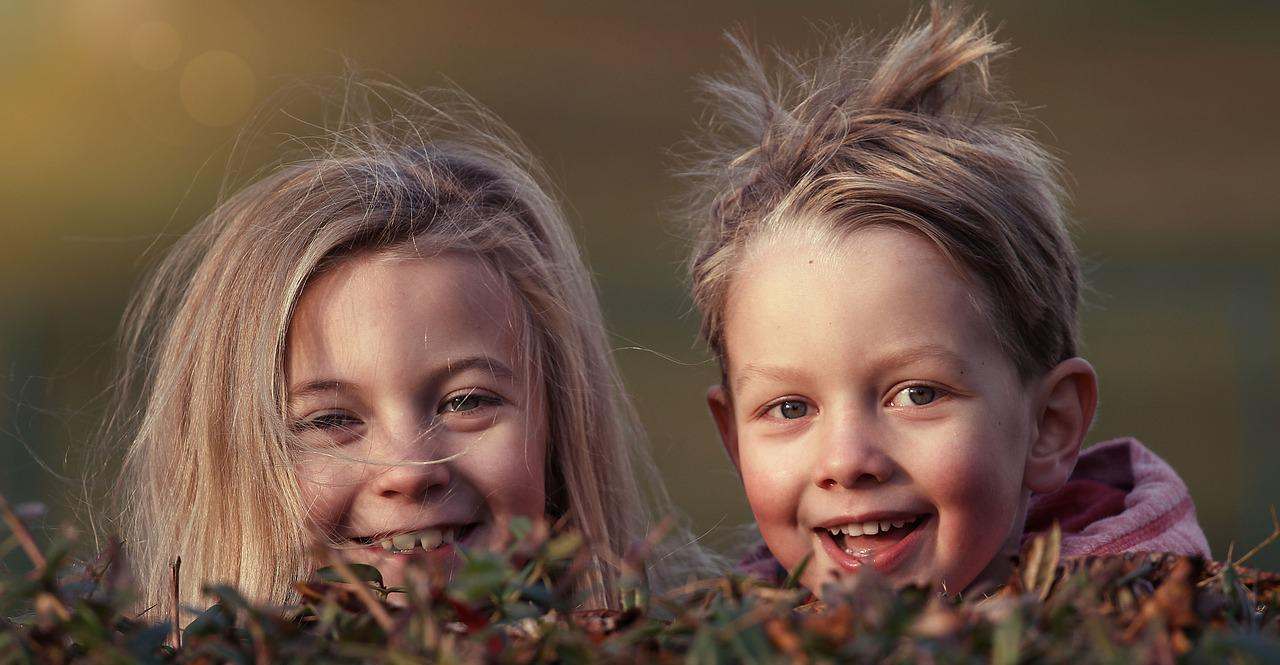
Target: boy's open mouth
x=422 y=540
x=882 y=543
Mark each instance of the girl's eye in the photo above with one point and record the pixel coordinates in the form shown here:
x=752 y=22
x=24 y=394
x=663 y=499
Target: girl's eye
x=917 y=395
x=334 y=420
x=789 y=409
x=469 y=401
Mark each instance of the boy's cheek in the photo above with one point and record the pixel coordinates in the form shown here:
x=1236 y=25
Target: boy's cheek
x=976 y=463
x=773 y=489
x=977 y=508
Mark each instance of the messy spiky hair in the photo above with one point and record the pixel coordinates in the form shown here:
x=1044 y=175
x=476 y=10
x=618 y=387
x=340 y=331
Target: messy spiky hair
x=905 y=133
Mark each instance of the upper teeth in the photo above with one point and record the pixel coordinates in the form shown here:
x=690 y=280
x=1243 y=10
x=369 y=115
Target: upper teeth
x=429 y=539
x=868 y=528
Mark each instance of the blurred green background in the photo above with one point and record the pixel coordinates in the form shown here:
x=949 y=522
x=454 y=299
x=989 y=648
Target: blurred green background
x=119 y=118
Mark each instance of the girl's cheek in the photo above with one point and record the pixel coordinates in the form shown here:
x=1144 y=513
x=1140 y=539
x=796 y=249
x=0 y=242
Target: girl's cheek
x=506 y=467
x=325 y=489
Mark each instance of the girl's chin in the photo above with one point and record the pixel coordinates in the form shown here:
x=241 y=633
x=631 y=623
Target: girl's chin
x=394 y=567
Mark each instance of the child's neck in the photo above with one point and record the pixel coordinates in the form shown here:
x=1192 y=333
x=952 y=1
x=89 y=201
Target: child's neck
x=1003 y=564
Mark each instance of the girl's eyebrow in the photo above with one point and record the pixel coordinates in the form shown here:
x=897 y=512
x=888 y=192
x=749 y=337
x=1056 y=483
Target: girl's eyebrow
x=496 y=368
x=316 y=387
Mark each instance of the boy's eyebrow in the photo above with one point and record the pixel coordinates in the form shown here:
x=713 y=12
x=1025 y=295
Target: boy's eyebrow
x=492 y=365
x=913 y=354
x=897 y=358
x=750 y=371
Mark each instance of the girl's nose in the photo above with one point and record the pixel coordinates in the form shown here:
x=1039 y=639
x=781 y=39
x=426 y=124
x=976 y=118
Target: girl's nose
x=411 y=465
x=411 y=480
x=852 y=457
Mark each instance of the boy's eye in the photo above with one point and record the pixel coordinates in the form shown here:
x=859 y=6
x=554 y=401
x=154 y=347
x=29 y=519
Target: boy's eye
x=790 y=409
x=918 y=395
x=468 y=401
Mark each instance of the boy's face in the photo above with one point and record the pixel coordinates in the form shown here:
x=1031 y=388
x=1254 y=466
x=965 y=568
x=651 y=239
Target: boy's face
x=871 y=412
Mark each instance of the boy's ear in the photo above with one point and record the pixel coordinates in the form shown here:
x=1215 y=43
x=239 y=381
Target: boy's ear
x=1068 y=397
x=721 y=405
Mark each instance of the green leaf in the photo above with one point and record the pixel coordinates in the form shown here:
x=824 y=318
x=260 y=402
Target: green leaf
x=520 y=527
x=362 y=572
x=212 y=621
x=564 y=546
x=1007 y=640
x=704 y=650
x=483 y=575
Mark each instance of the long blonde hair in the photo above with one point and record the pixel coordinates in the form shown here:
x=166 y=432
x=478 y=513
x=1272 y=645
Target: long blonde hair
x=207 y=472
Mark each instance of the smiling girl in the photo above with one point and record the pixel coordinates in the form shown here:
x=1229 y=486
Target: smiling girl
x=389 y=348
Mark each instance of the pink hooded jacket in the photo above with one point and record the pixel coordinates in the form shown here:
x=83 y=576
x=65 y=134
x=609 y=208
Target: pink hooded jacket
x=1120 y=498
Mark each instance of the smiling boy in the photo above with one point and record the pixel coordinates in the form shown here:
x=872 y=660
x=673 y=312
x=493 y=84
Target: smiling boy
x=887 y=280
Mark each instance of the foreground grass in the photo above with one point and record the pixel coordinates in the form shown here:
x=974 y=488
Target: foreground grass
x=518 y=606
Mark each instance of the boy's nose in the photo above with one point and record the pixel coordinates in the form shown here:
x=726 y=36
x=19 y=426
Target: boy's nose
x=852 y=458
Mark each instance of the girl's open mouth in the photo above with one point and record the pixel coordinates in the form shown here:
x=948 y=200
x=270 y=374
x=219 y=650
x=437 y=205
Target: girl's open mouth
x=417 y=542
x=883 y=544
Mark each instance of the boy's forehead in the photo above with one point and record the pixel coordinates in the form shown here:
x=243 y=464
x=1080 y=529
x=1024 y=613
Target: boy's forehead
x=883 y=295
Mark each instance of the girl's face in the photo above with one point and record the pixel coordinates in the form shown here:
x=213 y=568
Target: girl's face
x=418 y=423
x=871 y=412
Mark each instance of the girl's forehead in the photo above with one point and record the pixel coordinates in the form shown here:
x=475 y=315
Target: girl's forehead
x=444 y=281
x=375 y=311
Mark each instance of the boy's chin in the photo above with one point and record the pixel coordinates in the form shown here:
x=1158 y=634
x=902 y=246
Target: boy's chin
x=827 y=577
x=995 y=575
x=824 y=581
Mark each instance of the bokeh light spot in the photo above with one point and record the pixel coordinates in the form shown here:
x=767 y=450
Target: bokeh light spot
x=155 y=45
x=217 y=88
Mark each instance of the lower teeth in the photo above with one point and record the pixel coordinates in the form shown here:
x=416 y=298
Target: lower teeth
x=861 y=553
x=864 y=552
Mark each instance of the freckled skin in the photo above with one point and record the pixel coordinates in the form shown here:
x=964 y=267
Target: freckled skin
x=840 y=326
x=391 y=331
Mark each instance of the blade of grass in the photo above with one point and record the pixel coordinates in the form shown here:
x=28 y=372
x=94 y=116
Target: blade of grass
x=793 y=578
x=175 y=572
x=1275 y=534
x=20 y=532
x=1230 y=563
